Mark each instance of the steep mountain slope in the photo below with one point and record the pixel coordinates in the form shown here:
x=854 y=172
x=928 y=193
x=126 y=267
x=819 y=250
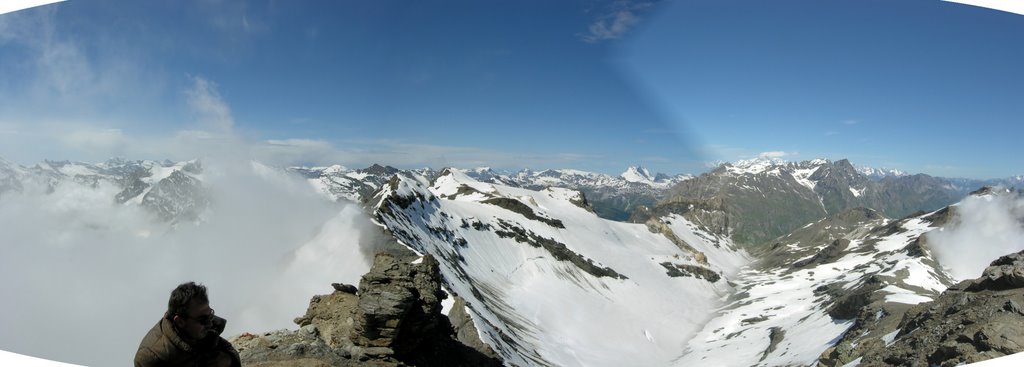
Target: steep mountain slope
x=519 y=257
x=767 y=198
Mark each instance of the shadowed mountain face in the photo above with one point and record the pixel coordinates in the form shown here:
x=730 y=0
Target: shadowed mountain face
x=764 y=199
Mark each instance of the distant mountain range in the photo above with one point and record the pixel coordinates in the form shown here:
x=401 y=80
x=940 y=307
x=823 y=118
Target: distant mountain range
x=171 y=190
x=612 y=197
x=789 y=193
x=762 y=199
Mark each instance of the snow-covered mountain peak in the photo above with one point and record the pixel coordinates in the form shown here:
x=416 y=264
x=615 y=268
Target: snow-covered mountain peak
x=334 y=169
x=879 y=173
x=454 y=183
x=754 y=166
x=772 y=165
x=637 y=174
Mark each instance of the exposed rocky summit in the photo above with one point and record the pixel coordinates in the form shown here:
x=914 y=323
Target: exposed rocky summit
x=972 y=321
x=394 y=319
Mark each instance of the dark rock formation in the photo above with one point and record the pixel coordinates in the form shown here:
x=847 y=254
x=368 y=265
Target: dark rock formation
x=523 y=209
x=847 y=305
x=347 y=288
x=465 y=331
x=831 y=252
x=395 y=320
x=682 y=270
x=399 y=302
x=557 y=249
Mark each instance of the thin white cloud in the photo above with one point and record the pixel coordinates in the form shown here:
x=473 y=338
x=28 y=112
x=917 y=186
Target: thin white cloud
x=615 y=23
x=776 y=154
x=58 y=65
x=232 y=17
x=112 y=140
x=57 y=73
x=206 y=102
x=611 y=28
x=851 y=122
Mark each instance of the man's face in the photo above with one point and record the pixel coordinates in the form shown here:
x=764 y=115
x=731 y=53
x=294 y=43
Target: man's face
x=197 y=323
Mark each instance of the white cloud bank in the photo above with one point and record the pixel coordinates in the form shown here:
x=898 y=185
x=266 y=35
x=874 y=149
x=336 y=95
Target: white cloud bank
x=985 y=228
x=85 y=278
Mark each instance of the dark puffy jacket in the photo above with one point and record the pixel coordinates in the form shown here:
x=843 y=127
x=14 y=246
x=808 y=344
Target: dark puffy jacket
x=163 y=347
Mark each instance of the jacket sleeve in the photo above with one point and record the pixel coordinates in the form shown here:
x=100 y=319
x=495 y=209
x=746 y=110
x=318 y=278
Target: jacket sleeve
x=145 y=357
x=227 y=348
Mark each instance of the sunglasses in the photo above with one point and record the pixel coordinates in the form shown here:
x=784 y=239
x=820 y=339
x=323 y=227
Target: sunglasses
x=205 y=319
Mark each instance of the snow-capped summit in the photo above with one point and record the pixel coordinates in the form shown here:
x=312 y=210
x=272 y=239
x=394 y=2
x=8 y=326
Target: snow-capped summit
x=755 y=166
x=879 y=173
x=637 y=174
x=486 y=174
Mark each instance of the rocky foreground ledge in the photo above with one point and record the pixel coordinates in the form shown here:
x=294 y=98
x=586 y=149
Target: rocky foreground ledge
x=972 y=321
x=393 y=319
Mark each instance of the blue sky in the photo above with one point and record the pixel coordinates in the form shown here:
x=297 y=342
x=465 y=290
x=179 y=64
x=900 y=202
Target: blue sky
x=923 y=86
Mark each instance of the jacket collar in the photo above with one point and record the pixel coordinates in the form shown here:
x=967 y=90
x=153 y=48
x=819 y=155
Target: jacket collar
x=169 y=331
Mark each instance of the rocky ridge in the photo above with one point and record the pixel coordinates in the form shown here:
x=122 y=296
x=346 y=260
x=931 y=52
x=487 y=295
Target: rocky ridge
x=971 y=321
x=392 y=319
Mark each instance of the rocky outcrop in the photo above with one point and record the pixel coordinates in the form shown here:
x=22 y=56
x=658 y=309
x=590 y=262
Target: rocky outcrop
x=655 y=225
x=398 y=304
x=465 y=331
x=972 y=321
x=828 y=254
x=393 y=319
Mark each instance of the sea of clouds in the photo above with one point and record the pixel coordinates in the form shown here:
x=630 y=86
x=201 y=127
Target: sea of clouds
x=84 y=278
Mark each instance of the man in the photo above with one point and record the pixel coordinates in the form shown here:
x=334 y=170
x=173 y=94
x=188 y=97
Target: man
x=188 y=334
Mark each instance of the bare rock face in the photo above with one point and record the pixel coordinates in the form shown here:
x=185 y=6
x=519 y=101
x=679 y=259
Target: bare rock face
x=393 y=319
x=465 y=331
x=972 y=321
x=398 y=302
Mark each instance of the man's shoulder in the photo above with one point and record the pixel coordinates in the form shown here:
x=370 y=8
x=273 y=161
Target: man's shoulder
x=157 y=347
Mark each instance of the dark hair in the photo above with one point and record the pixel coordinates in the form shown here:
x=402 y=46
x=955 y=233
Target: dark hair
x=182 y=296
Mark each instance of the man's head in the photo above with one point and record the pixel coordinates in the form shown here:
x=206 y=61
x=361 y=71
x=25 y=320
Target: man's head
x=189 y=310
